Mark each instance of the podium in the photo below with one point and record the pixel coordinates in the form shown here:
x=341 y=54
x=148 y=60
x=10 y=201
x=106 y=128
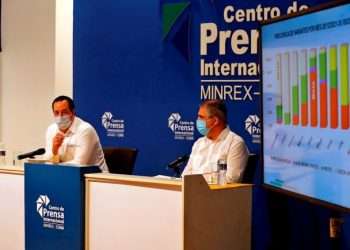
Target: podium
x=54 y=206
x=120 y=212
x=160 y=214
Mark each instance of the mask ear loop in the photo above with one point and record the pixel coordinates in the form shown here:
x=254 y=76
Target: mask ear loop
x=215 y=123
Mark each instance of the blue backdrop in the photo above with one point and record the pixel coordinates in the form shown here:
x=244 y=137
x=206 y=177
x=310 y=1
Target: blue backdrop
x=138 y=79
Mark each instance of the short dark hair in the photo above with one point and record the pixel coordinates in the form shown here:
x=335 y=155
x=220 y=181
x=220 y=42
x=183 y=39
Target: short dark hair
x=64 y=98
x=216 y=108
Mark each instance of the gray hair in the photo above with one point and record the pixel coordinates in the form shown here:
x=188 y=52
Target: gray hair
x=216 y=108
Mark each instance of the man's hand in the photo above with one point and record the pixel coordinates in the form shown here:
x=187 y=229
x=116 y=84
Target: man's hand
x=57 y=142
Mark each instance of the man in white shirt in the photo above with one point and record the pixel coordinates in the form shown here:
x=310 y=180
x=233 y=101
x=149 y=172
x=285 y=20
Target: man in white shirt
x=218 y=142
x=72 y=140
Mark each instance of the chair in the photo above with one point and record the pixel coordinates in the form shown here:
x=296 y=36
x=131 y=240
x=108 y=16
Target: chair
x=120 y=160
x=249 y=171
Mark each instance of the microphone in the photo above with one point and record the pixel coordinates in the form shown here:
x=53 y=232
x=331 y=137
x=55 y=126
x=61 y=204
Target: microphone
x=176 y=163
x=39 y=151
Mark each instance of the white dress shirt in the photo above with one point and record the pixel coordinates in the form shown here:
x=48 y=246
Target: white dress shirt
x=206 y=153
x=80 y=146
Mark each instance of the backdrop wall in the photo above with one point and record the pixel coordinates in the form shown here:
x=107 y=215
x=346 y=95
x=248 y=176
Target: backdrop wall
x=141 y=69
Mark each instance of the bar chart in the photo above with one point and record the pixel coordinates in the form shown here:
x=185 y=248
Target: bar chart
x=306 y=104
x=312 y=87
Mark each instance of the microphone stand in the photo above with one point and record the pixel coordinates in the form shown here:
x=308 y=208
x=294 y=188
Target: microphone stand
x=177 y=172
x=176 y=168
x=176 y=165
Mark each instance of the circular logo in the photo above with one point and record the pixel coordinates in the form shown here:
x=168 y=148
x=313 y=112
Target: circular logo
x=107 y=119
x=41 y=202
x=252 y=122
x=173 y=119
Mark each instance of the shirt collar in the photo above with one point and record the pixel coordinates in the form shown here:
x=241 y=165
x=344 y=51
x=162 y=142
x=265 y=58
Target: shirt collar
x=221 y=136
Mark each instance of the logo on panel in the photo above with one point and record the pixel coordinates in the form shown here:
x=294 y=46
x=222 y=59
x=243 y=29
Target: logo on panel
x=114 y=127
x=51 y=215
x=183 y=130
x=253 y=127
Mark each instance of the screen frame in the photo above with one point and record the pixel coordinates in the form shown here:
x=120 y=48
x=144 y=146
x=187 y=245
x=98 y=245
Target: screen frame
x=269 y=187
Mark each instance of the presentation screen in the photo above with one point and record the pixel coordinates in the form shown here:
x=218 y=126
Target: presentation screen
x=306 y=104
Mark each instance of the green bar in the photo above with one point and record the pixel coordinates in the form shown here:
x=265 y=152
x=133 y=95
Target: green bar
x=344 y=74
x=312 y=61
x=304 y=93
x=323 y=65
x=295 y=96
x=279 y=112
x=333 y=67
x=287 y=118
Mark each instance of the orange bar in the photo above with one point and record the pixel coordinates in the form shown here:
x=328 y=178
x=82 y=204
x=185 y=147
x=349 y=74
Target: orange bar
x=334 y=108
x=323 y=105
x=313 y=98
x=295 y=119
x=345 y=116
x=304 y=114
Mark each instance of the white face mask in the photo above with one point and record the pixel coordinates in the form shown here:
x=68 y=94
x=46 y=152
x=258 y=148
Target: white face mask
x=63 y=122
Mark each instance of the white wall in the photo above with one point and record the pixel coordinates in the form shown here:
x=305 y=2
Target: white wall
x=12 y=215
x=28 y=77
x=64 y=48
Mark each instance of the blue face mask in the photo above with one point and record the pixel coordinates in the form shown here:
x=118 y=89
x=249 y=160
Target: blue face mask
x=201 y=127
